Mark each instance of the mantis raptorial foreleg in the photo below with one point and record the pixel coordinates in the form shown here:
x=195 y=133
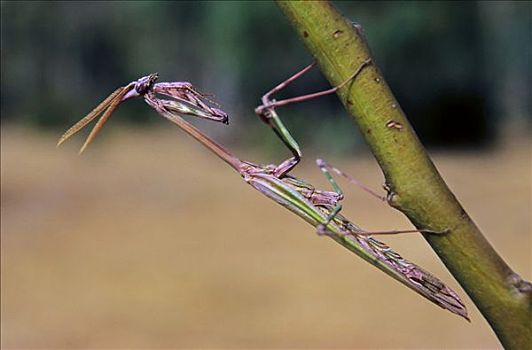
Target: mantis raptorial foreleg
x=187 y=94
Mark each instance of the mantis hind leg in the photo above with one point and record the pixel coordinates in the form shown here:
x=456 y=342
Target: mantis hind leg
x=322 y=228
x=324 y=166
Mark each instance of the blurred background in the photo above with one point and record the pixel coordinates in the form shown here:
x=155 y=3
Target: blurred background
x=149 y=241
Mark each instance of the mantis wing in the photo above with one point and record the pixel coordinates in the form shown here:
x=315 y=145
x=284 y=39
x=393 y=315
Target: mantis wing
x=393 y=264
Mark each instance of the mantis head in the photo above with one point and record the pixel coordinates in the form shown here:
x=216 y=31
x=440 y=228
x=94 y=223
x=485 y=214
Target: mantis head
x=145 y=84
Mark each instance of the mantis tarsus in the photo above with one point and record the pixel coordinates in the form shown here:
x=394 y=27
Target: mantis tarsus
x=319 y=208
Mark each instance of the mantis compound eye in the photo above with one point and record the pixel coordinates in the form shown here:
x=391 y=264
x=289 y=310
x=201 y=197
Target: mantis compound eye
x=145 y=84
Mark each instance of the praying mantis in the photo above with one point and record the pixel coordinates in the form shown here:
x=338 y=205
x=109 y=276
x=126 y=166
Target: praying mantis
x=319 y=208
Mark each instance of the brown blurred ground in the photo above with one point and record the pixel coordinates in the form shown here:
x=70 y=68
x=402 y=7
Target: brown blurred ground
x=149 y=241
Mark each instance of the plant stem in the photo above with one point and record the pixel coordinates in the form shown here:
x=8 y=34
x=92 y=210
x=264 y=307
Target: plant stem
x=416 y=187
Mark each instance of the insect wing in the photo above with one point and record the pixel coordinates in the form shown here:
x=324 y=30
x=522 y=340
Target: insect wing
x=407 y=272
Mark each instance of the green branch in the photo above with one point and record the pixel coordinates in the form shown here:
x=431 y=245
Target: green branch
x=415 y=186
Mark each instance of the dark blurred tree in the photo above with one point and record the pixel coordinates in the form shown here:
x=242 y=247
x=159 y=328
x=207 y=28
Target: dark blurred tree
x=60 y=58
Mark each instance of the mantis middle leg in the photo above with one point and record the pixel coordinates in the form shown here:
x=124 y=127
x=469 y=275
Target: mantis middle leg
x=333 y=213
x=267 y=114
